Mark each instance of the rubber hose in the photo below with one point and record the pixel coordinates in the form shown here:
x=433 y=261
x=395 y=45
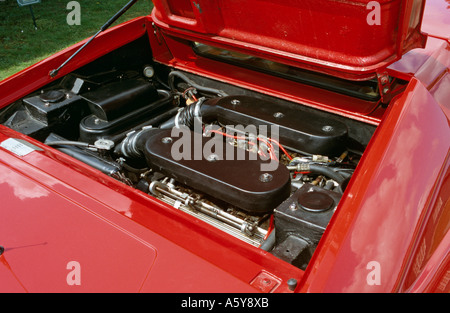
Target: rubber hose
x=180 y=75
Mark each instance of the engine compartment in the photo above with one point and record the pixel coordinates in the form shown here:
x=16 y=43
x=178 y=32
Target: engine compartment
x=264 y=170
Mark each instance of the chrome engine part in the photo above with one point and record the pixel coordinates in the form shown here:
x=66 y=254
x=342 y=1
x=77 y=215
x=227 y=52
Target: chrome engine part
x=245 y=227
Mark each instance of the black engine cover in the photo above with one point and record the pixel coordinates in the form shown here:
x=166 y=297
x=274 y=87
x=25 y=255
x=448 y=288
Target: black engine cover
x=241 y=182
x=298 y=129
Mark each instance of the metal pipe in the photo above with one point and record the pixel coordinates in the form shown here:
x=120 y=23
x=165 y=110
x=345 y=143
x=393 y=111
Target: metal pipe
x=198 y=204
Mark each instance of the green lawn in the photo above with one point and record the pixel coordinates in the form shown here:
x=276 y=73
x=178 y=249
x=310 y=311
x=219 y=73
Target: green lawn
x=21 y=45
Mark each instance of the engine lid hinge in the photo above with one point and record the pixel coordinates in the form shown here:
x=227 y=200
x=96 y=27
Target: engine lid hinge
x=384 y=87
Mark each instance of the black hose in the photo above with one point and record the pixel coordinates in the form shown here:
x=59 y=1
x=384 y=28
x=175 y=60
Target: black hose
x=187 y=116
x=180 y=75
x=269 y=243
x=152 y=122
x=70 y=143
x=200 y=110
x=133 y=145
x=90 y=158
x=328 y=172
x=134 y=170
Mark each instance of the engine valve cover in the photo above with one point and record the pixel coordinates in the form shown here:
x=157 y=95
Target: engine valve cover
x=298 y=129
x=242 y=182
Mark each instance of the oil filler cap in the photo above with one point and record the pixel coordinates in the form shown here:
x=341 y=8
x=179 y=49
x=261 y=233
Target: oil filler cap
x=315 y=201
x=52 y=96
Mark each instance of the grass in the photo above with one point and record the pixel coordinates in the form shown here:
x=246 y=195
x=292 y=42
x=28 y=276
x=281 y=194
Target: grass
x=21 y=45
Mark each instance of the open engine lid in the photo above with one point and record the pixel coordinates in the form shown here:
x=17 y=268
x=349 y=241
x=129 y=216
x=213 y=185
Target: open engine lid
x=348 y=39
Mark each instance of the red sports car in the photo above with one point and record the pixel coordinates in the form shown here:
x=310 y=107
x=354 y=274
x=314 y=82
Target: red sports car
x=234 y=146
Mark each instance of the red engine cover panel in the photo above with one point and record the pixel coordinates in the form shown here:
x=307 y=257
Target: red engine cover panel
x=350 y=39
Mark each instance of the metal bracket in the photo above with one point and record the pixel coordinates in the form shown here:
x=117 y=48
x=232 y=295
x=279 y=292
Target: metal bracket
x=384 y=87
x=157 y=34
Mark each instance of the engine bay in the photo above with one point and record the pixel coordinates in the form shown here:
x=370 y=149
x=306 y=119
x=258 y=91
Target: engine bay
x=264 y=170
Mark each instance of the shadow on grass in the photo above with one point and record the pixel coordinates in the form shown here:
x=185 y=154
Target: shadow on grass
x=22 y=46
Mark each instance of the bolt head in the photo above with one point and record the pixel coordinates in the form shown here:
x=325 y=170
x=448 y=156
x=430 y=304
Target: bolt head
x=266 y=177
x=327 y=128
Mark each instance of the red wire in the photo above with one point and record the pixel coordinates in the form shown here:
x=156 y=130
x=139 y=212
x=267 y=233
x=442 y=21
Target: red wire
x=271 y=226
x=259 y=152
x=270 y=147
x=281 y=147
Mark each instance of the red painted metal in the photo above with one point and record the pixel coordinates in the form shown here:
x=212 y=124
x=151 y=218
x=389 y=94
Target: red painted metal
x=56 y=210
x=295 y=32
x=381 y=218
x=436 y=19
x=183 y=57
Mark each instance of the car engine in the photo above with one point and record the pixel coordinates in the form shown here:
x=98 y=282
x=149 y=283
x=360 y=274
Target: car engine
x=264 y=170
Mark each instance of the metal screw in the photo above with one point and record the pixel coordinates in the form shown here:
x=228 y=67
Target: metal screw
x=235 y=102
x=266 y=281
x=212 y=157
x=278 y=115
x=166 y=140
x=266 y=177
x=327 y=128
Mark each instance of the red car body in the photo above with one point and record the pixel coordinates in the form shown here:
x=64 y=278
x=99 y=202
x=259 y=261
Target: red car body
x=394 y=212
